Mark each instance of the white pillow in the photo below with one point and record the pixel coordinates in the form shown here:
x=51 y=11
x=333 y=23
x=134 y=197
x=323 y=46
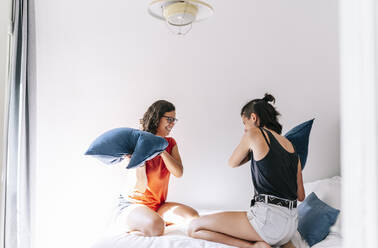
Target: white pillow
x=329 y=191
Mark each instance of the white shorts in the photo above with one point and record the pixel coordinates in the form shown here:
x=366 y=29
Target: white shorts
x=275 y=224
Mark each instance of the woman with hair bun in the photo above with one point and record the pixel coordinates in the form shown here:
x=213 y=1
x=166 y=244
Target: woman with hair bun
x=277 y=178
x=145 y=211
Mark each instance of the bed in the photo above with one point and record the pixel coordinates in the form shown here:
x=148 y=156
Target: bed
x=328 y=190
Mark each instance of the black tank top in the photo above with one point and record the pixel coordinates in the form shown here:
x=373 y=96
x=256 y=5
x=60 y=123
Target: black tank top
x=276 y=173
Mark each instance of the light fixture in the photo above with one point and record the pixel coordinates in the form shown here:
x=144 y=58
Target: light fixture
x=180 y=14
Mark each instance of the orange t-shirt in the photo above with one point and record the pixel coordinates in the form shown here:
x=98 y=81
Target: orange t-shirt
x=158 y=179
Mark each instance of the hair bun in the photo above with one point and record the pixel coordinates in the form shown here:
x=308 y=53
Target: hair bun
x=269 y=98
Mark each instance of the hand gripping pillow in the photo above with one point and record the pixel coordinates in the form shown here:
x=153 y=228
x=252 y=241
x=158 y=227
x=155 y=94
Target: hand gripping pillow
x=111 y=146
x=299 y=136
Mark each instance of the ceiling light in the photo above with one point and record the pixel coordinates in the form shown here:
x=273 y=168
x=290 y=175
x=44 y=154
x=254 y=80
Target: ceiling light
x=180 y=14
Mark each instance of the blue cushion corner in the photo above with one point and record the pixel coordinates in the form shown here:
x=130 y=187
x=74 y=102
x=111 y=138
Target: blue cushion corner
x=299 y=136
x=315 y=219
x=148 y=146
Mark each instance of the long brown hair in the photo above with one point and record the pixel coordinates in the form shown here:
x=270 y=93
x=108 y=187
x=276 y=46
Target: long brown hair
x=151 y=119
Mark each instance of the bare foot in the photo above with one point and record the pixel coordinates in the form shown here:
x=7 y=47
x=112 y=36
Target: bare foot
x=288 y=245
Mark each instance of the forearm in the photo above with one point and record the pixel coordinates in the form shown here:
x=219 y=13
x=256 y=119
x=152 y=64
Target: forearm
x=247 y=158
x=301 y=191
x=141 y=179
x=175 y=167
x=241 y=154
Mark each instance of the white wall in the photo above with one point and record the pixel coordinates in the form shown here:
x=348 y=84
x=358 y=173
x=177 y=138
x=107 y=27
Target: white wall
x=100 y=65
x=4 y=25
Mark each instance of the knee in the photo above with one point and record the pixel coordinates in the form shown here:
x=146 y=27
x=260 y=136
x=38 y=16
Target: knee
x=193 y=214
x=190 y=215
x=154 y=227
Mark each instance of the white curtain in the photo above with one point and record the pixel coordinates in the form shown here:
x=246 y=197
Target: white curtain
x=18 y=170
x=359 y=129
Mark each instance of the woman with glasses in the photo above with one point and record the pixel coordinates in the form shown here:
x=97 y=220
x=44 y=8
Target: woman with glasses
x=145 y=211
x=277 y=179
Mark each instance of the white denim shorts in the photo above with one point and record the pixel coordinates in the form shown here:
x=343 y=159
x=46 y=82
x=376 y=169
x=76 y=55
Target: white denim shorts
x=275 y=224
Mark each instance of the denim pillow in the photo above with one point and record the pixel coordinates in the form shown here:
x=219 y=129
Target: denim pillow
x=299 y=136
x=113 y=145
x=315 y=219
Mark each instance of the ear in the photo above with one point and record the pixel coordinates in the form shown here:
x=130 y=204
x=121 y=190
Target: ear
x=254 y=117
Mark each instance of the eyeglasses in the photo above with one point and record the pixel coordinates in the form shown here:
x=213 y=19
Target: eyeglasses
x=171 y=119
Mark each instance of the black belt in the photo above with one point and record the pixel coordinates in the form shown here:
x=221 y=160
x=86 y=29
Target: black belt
x=274 y=200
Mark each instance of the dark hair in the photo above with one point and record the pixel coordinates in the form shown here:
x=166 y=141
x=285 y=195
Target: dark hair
x=265 y=111
x=151 y=118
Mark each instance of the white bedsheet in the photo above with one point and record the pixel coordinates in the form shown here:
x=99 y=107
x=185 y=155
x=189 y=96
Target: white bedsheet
x=175 y=237
x=333 y=240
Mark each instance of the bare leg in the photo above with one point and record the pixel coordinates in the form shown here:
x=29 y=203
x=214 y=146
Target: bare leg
x=228 y=240
x=177 y=213
x=230 y=228
x=141 y=220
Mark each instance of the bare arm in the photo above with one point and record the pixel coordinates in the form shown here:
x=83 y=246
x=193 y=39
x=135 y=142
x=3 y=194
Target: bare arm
x=141 y=182
x=173 y=162
x=242 y=152
x=300 y=191
x=247 y=158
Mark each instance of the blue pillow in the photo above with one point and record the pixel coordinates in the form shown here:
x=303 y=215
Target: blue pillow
x=113 y=145
x=299 y=137
x=315 y=219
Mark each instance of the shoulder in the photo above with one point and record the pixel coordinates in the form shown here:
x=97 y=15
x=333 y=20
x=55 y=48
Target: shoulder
x=253 y=133
x=171 y=141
